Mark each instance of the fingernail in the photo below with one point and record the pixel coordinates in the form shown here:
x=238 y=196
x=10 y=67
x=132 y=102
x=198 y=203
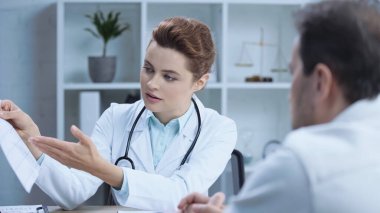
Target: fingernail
x=75 y=127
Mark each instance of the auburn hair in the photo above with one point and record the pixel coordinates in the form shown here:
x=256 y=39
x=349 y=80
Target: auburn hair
x=189 y=37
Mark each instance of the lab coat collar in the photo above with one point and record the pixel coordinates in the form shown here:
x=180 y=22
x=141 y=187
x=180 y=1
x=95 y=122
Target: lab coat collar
x=142 y=122
x=361 y=109
x=181 y=143
x=190 y=128
x=177 y=149
x=180 y=121
x=187 y=130
x=140 y=142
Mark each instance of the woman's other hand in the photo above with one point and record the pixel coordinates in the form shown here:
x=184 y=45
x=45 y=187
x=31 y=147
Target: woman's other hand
x=82 y=155
x=199 y=203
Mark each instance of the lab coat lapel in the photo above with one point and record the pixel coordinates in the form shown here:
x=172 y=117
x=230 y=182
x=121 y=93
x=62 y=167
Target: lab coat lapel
x=182 y=142
x=175 y=152
x=141 y=145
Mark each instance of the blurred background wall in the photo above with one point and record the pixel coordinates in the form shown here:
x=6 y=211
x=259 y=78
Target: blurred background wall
x=28 y=77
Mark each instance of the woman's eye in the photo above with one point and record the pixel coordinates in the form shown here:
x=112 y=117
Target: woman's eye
x=148 y=69
x=169 y=78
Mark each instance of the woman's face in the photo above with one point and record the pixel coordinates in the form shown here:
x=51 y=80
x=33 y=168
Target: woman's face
x=166 y=83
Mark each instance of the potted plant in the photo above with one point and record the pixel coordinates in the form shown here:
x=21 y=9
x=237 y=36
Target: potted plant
x=102 y=68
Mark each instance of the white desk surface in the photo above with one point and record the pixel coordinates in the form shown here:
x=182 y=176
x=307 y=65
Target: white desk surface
x=86 y=209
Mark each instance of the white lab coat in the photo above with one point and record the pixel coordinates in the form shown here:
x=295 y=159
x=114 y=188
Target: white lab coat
x=150 y=188
x=342 y=160
x=327 y=168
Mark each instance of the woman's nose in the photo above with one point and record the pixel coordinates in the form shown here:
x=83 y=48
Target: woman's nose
x=153 y=83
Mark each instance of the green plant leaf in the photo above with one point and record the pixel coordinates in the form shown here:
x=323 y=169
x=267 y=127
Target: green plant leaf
x=107 y=26
x=101 y=16
x=110 y=15
x=92 y=32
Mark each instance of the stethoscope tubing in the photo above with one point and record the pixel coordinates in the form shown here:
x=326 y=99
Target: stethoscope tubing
x=125 y=157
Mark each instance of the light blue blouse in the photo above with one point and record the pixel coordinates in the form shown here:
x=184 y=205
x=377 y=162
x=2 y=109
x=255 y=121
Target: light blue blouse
x=161 y=137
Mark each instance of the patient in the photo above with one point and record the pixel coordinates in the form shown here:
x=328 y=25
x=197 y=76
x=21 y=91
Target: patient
x=330 y=163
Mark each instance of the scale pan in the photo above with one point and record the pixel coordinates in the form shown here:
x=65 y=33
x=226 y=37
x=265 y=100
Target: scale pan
x=244 y=64
x=279 y=70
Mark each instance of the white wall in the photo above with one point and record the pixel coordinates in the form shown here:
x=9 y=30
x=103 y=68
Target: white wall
x=27 y=76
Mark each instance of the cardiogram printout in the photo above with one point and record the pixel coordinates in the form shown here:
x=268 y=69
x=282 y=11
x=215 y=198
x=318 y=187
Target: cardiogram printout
x=18 y=155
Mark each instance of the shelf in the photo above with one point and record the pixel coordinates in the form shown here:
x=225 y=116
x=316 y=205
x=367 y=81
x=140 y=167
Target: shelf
x=118 y=86
x=278 y=2
x=259 y=109
x=265 y=45
x=99 y=1
x=269 y=2
x=213 y=86
x=101 y=86
x=258 y=85
x=75 y=45
x=185 y=1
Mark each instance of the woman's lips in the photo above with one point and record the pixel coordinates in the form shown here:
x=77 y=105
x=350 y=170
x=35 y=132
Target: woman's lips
x=151 y=98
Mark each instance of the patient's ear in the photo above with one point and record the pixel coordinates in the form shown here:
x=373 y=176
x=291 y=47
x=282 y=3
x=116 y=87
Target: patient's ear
x=324 y=81
x=201 y=82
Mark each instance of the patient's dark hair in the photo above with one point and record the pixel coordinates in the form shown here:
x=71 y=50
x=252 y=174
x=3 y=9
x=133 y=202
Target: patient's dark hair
x=345 y=36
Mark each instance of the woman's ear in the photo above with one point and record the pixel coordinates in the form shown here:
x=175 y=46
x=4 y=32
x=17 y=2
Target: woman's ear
x=200 y=83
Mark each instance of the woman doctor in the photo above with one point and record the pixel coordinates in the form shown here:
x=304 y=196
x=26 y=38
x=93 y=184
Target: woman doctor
x=177 y=64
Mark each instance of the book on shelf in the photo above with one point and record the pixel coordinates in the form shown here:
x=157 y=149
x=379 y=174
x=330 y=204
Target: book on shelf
x=89 y=110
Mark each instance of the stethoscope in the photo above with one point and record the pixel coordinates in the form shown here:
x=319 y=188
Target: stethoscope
x=125 y=157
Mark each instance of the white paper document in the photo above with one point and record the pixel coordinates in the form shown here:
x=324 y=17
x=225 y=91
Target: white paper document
x=18 y=156
x=23 y=209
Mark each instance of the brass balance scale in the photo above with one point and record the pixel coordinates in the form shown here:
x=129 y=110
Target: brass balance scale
x=245 y=59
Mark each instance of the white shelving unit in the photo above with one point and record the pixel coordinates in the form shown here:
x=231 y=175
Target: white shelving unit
x=260 y=109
